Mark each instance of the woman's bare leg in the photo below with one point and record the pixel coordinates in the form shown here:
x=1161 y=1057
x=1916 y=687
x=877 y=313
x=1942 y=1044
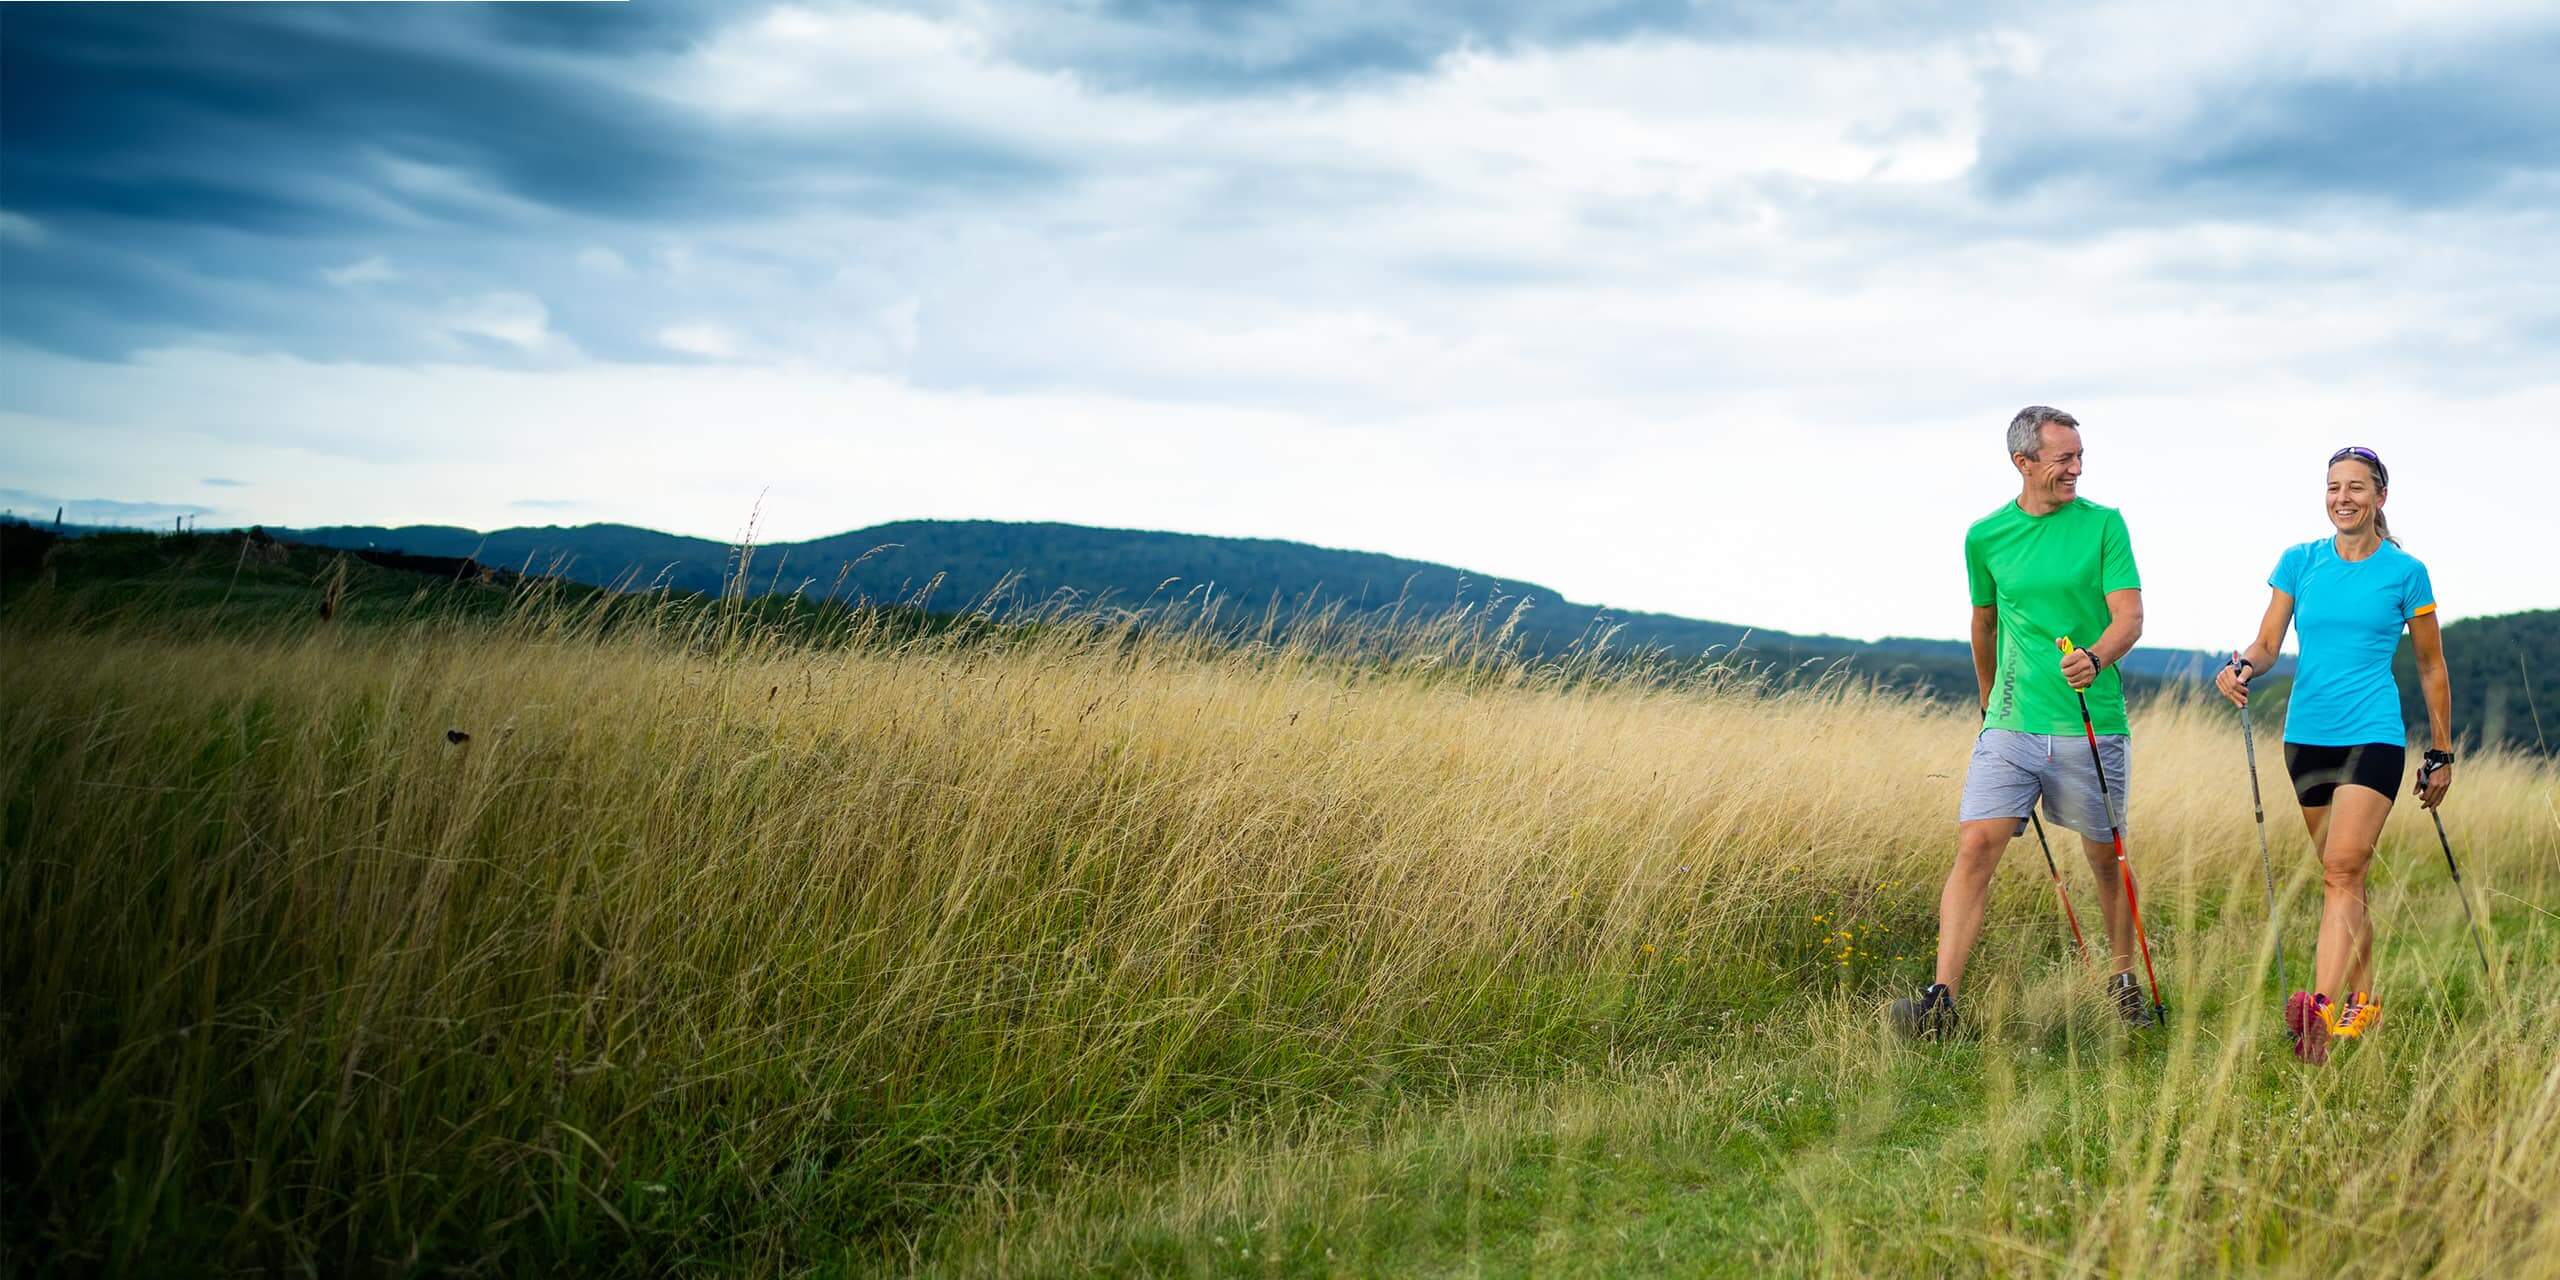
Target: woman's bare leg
x=2352 y=826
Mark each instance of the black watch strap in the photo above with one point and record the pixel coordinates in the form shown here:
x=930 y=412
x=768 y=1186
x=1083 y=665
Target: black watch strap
x=2439 y=757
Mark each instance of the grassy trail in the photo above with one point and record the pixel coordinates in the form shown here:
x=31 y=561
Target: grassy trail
x=2051 y=1144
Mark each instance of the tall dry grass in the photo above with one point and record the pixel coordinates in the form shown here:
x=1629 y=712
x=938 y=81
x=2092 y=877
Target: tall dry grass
x=643 y=946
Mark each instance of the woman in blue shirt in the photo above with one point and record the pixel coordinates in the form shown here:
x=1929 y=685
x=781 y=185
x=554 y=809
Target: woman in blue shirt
x=2349 y=595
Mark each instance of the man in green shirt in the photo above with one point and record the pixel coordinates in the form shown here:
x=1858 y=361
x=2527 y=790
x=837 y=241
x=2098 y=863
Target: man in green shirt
x=2049 y=565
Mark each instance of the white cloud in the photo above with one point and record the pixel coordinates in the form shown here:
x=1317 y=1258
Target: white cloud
x=374 y=270
x=800 y=63
x=707 y=340
x=517 y=319
x=19 y=229
x=1653 y=216
x=432 y=190
x=598 y=260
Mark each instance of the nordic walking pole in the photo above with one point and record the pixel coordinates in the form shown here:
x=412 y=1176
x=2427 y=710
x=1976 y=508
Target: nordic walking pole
x=2079 y=945
x=2115 y=832
x=2275 y=924
x=2456 y=869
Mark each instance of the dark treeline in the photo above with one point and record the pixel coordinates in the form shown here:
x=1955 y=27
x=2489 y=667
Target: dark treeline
x=956 y=564
x=2504 y=669
x=2505 y=673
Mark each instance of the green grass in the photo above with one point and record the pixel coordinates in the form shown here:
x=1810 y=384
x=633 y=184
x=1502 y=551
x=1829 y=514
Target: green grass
x=1813 y=1142
x=1099 y=947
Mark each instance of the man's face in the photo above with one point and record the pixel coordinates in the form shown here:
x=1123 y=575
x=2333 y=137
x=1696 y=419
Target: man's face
x=2053 y=475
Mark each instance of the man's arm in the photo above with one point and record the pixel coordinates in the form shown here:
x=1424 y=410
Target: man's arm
x=2124 y=625
x=2124 y=630
x=1986 y=649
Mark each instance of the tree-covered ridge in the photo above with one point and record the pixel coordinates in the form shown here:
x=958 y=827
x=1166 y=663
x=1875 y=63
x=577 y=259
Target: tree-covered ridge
x=2503 y=668
x=957 y=563
x=2505 y=672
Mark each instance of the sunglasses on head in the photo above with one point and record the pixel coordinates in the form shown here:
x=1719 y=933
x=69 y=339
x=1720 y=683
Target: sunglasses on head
x=2381 y=473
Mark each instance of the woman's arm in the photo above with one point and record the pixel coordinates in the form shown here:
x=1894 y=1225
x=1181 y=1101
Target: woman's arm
x=2261 y=653
x=2437 y=686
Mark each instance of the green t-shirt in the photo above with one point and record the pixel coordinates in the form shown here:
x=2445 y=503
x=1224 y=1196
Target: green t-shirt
x=2050 y=576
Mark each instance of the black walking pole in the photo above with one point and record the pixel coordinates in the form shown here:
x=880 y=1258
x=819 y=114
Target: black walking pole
x=2275 y=925
x=2424 y=771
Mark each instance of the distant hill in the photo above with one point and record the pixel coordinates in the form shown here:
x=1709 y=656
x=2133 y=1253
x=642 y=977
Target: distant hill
x=2505 y=670
x=963 y=561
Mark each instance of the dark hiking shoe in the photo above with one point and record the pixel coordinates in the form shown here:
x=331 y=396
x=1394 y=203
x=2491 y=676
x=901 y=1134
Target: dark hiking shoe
x=2130 y=1006
x=1930 y=1015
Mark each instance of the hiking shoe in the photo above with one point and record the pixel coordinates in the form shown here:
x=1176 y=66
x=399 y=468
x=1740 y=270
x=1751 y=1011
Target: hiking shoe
x=2308 y=1019
x=2361 y=1013
x=2130 y=1006
x=1930 y=1015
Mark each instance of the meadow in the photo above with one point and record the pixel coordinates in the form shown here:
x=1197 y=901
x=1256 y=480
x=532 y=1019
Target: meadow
x=577 y=940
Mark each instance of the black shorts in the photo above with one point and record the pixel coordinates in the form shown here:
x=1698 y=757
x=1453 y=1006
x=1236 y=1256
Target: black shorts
x=2318 y=772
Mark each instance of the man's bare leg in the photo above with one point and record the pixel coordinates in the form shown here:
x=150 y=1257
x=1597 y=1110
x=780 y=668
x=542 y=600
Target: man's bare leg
x=1979 y=845
x=2111 y=903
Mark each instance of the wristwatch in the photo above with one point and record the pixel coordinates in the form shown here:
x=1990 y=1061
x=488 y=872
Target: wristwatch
x=2439 y=757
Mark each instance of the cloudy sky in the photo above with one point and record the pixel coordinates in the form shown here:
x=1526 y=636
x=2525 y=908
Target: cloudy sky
x=1712 y=309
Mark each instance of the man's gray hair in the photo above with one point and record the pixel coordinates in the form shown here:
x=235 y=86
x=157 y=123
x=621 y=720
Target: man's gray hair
x=2026 y=431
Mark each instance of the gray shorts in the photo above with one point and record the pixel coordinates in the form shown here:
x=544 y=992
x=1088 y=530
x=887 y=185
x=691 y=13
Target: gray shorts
x=2010 y=769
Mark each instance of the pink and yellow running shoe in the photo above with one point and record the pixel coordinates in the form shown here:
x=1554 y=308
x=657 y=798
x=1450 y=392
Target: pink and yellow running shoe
x=2309 y=1020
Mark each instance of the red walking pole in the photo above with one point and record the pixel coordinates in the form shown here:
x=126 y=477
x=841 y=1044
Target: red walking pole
x=2159 y=1007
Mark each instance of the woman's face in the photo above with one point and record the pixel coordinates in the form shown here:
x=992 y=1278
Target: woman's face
x=2352 y=496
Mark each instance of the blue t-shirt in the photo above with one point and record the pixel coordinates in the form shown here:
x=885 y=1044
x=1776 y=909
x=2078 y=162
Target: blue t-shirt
x=2349 y=615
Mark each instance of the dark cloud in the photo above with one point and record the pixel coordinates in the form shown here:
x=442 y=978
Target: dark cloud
x=211 y=172
x=649 y=26
x=2435 y=136
x=1225 y=47
x=261 y=119
x=271 y=117
x=98 y=294
x=1258 y=45
x=168 y=152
